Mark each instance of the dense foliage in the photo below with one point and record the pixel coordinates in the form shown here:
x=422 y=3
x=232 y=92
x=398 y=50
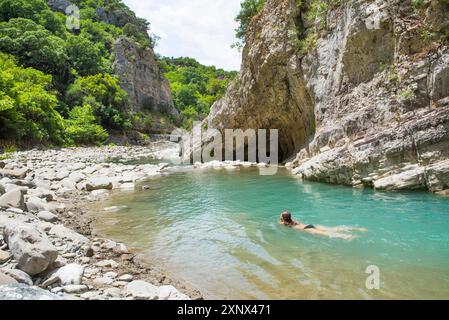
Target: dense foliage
x=49 y=73
x=27 y=105
x=194 y=87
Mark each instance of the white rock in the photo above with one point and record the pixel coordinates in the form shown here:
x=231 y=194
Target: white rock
x=112 y=292
x=102 y=281
x=35 y=204
x=76 y=177
x=98 y=183
x=65 y=233
x=139 y=289
x=47 y=216
x=18 y=275
x=111 y=274
x=74 y=288
x=126 y=278
x=70 y=274
x=30 y=247
x=12 y=199
x=171 y=293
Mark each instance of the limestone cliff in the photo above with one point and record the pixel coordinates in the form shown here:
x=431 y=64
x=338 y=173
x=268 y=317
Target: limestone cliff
x=141 y=78
x=360 y=94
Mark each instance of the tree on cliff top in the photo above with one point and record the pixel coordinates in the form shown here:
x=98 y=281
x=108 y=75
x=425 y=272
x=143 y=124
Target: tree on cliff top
x=249 y=8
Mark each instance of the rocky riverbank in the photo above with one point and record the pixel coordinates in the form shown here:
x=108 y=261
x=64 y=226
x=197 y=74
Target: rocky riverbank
x=47 y=249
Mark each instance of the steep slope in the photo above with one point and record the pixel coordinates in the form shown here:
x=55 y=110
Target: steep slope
x=359 y=90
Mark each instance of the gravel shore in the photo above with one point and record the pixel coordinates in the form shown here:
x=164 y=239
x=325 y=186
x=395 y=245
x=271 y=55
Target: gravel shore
x=47 y=249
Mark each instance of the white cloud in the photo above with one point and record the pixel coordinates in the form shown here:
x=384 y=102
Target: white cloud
x=201 y=29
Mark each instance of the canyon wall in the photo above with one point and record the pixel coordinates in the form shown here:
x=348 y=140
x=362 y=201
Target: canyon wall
x=360 y=94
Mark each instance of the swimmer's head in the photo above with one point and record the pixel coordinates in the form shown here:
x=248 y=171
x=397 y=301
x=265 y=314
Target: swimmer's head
x=286 y=218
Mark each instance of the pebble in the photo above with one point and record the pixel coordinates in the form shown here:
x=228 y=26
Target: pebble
x=103 y=281
x=74 y=288
x=126 y=278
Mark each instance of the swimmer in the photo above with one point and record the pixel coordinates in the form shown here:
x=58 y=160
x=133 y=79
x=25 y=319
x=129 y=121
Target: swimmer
x=336 y=232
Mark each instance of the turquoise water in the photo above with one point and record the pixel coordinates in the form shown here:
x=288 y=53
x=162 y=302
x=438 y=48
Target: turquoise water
x=219 y=231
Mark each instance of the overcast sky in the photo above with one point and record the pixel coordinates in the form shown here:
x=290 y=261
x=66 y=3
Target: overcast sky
x=201 y=29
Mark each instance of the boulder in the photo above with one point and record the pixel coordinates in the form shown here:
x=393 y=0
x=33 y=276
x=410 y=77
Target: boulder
x=5 y=279
x=142 y=290
x=15 y=173
x=35 y=204
x=70 y=274
x=99 y=184
x=2 y=190
x=21 y=291
x=47 y=216
x=30 y=247
x=18 y=275
x=12 y=199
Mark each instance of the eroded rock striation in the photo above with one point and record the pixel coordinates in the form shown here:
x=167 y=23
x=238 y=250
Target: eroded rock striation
x=360 y=94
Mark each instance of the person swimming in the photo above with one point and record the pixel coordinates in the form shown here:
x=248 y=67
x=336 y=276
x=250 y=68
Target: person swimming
x=336 y=232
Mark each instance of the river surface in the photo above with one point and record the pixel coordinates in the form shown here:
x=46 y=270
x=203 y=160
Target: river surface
x=219 y=231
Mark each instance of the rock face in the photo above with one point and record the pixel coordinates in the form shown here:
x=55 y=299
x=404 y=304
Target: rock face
x=368 y=104
x=30 y=247
x=140 y=76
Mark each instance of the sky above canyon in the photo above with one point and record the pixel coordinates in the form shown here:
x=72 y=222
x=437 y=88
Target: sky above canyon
x=201 y=29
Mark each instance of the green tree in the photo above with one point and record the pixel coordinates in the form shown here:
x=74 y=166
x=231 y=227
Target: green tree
x=35 y=46
x=27 y=107
x=103 y=93
x=194 y=87
x=85 y=56
x=81 y=127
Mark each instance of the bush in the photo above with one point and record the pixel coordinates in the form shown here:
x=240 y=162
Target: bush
x=81 y=128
